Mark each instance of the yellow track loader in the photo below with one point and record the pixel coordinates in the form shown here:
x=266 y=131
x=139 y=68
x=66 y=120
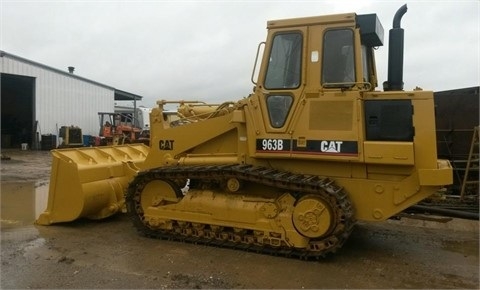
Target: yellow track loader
x=287 y=170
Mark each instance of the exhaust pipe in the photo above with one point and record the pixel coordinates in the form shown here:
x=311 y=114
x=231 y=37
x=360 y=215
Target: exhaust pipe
x=395 y=53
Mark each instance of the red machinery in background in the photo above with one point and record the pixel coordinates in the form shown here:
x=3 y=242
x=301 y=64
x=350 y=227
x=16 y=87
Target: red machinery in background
x=119 y=128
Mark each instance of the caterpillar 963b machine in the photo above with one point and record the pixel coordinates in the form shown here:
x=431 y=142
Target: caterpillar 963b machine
x=288 y=169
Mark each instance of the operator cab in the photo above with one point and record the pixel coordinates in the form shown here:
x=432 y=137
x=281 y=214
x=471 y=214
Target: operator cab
x=316 y=54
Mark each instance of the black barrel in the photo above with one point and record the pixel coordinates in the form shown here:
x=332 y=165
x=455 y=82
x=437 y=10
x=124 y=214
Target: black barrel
x=49 y=142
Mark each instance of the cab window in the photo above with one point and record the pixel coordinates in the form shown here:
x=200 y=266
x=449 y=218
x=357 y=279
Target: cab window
x=338 y=58
x=284 y=65
x=278 y=108
x=366 y=60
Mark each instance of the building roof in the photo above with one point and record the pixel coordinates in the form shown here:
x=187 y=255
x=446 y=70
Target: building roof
x=470 y=90
x=126 y=96
x=119 y=94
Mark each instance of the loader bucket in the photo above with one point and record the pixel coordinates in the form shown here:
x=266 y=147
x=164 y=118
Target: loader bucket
x=90 y=182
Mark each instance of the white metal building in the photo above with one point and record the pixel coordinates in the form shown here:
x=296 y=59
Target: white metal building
x=38 y=100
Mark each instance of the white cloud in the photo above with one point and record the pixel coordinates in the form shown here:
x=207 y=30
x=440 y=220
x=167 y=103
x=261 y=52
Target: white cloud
x=206 y=49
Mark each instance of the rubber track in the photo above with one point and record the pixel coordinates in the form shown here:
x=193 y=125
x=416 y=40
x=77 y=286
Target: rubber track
x=295 y=183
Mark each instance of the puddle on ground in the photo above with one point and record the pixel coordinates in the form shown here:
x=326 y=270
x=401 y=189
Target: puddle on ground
x=466 y=248
x=22 y=203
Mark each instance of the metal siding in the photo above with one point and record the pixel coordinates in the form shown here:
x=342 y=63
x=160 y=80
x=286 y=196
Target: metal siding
x=62 y=100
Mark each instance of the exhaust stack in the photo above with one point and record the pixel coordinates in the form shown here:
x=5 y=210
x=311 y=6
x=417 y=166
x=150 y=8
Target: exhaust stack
x=395 y=53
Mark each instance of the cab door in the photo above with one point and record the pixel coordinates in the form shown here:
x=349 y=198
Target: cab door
x=280 y=87
x=325 y=125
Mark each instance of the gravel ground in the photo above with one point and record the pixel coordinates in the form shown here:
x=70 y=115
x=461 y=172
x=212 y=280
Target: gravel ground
x=406 y=253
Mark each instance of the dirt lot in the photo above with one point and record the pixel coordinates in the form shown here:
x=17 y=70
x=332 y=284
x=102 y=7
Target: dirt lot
x=408 y=253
